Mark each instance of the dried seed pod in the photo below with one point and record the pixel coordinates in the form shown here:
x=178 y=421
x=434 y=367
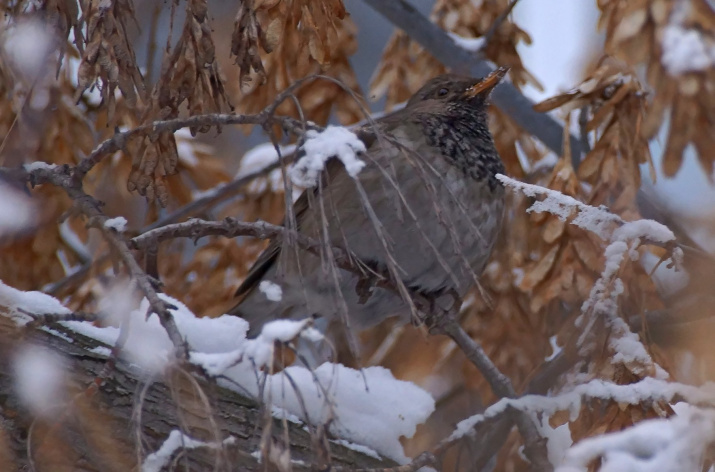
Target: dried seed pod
x=108 y=57
x=298 y=39
x=672 y=39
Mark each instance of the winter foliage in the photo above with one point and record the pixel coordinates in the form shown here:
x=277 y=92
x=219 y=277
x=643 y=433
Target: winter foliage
x=130 y=212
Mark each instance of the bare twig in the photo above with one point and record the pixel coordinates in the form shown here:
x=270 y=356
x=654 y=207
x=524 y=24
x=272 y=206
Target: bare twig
x=66 y=177
x=120 y=139
x=197 y=228
x=583 y=127
x=231 y=227
x=151 y=47
x=534 y=442
x=208 y=200
x=40 y=319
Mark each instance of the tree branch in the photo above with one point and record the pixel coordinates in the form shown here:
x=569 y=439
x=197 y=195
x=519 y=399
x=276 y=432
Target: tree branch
x=534 y=443
x=66 y=178
x=129 y=425
x=499 y=21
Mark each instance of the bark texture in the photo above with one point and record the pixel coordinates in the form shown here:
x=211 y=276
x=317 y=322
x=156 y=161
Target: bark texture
x=128 y=418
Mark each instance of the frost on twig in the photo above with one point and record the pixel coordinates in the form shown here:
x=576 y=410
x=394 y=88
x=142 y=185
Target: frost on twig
x=623 y=240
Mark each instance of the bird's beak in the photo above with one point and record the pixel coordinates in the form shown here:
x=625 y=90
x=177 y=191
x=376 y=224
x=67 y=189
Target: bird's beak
x=486 y=85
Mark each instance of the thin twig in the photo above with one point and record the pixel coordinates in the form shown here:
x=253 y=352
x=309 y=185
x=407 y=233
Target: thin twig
x=231 y=227
x=66 y=178
x=208 y=200
x=41 y=319
x=534 y=442
x=583 y=128
x=120 y=139
x=151 y=47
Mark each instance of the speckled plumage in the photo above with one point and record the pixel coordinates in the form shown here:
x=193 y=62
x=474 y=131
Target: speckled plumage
x=436 y=198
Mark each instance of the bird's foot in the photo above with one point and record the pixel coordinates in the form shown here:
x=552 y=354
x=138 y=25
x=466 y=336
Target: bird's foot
x=442 y=314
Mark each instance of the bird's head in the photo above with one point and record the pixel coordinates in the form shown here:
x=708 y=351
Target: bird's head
x=449 y=89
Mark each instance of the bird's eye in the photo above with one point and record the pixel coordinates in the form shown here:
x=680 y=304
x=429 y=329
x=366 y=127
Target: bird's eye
x=442 y=92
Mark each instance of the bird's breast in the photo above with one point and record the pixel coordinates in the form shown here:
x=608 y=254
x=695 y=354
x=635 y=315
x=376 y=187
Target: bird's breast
x=466 y=144
x=438 y=222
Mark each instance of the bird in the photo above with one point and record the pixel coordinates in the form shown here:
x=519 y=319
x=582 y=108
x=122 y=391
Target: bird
x=427 y=206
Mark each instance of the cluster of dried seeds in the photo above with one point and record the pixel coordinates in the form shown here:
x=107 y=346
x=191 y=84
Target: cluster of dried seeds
x=190 y=83
x=615 y=104
x=108 y=59
x=299 y=38
x=675 y=40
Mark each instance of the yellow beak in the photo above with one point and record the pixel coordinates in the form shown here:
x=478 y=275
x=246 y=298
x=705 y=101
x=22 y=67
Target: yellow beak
x=487 y=84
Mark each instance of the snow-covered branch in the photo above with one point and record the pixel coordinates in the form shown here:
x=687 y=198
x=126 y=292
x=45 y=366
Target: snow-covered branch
x=623 y=237
x=369 y=407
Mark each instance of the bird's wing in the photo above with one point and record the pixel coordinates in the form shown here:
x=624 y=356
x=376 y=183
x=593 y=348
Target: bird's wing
x=368 y=134
x=270 y=255
x=259 y=268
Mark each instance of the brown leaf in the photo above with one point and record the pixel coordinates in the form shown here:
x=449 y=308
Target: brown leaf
x=537 y=273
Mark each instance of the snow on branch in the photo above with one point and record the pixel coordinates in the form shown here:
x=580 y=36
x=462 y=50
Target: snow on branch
x=647 y=390
x=542 y=408
x=23 y=305
x=667 y=445
x=176 y=441
x=623 y=238
x=598 y=220
x=368 y=407
x=319 y=147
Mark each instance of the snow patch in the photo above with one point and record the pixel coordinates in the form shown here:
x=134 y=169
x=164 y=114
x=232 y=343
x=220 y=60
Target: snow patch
x=319 y=147
x=555 y=348
x=187 y=147
x=38 y=165
x=17 y=210
x=155 y=461
x=27 y=44
x=685 y=50
x=36 y=303
x=271 y=290
x=358 y=447
x=258 y=158
x=118 y=224
x=470 y=44
x=368 y=407
x=666 y=445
